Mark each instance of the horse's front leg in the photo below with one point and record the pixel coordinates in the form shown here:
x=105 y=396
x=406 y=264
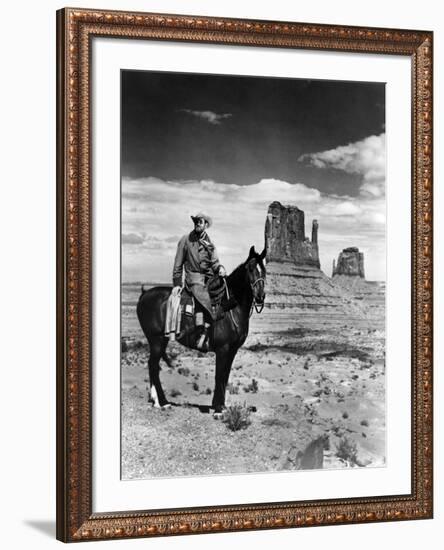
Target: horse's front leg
x=224 y=360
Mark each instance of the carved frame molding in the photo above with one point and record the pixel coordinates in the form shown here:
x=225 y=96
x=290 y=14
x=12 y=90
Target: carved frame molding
x=75 y=30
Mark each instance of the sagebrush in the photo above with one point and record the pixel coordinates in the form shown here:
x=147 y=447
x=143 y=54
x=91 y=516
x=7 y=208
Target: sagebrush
x=347 y=451
x=236 y=417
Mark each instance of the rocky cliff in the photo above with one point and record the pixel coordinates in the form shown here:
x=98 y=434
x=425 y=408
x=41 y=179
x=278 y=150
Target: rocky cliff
x=295 y=280
x=350 y=262
x=285 y=238
x=294 y=277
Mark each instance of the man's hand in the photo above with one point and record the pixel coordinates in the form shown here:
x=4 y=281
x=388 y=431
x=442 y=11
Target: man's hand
x=177 y=290
x=222 y=272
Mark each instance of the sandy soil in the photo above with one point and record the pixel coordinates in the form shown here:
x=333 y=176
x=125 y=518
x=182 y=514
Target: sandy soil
x=314 y=374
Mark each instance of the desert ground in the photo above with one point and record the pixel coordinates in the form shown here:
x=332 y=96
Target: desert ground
x=300 y=375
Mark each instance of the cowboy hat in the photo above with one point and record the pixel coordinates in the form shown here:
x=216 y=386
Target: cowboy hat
x=201 y=216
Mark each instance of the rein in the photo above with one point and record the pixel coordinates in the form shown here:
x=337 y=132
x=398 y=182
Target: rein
x=255 y=305
x=228 y=297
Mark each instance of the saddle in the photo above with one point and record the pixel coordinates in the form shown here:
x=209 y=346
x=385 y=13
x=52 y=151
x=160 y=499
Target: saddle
x=189 y=305
x=181 y=322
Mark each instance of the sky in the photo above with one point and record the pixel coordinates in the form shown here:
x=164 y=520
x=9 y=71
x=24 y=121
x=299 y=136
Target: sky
x=230 y=145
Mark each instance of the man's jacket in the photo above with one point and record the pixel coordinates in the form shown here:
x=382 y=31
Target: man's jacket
x=198 y=257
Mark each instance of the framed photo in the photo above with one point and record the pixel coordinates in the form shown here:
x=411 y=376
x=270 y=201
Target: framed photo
x=244 y=275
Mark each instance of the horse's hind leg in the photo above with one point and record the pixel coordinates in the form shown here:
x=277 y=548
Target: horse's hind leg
x=157 y=350
x=224 y=360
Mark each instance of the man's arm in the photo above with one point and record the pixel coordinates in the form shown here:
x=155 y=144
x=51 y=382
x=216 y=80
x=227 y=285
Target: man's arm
x=178 y=262
x=217 y=267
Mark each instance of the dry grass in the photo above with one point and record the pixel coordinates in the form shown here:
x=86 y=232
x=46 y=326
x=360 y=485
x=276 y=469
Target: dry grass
x=236 y=417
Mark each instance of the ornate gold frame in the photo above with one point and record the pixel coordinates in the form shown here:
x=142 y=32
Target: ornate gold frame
x=75 y=30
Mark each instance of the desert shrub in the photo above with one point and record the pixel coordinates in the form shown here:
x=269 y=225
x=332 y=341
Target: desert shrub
x=208 y=391
x=195 y=386
x=184 y=370
x=364 y=423
x=252 y=387
x=345 y=414
x=347 y=451
x=175 y=393
x=232 y=389
x=236 y=417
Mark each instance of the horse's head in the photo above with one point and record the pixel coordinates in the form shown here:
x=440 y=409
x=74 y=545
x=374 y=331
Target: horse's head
x=255 y=268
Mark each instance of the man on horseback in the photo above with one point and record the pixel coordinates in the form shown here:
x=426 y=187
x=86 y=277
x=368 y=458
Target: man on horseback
x=246 y=289
x=197 y=256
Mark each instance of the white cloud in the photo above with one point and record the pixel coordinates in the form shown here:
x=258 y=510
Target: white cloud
x=346 y=208
x=132 y=238
x=365 y=158
x=159 y=212
x=209 y=116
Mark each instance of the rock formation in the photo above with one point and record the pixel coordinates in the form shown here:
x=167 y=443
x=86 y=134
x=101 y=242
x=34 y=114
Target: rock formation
x=294 y=277
x=350 y=262
x=295 y=281
x=285 y=238
x=348 y=274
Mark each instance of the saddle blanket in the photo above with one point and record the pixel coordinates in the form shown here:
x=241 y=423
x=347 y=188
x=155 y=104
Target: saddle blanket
x=177 y=304
x=181 y=308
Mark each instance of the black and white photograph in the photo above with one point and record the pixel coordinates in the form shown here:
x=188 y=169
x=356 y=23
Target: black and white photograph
x=284 y=376
x=253 y=268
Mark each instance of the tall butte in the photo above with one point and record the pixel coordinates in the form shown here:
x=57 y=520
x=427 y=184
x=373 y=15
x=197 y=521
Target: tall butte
x=294 y=276
x=285 y=238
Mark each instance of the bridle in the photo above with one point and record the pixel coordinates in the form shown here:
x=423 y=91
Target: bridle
x=257 y=306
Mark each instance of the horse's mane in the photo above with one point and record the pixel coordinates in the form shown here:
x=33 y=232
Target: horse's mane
x=236 y=277
x=236 y=280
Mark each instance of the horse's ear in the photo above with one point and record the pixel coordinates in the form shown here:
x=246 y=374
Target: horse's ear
x=252 y=252
x=262 y=254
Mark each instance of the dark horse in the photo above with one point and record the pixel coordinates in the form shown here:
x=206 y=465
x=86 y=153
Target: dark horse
x=246 y=283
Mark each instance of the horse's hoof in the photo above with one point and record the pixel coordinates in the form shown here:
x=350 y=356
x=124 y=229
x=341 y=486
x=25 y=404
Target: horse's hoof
x=218 y=413
x=159 y=407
